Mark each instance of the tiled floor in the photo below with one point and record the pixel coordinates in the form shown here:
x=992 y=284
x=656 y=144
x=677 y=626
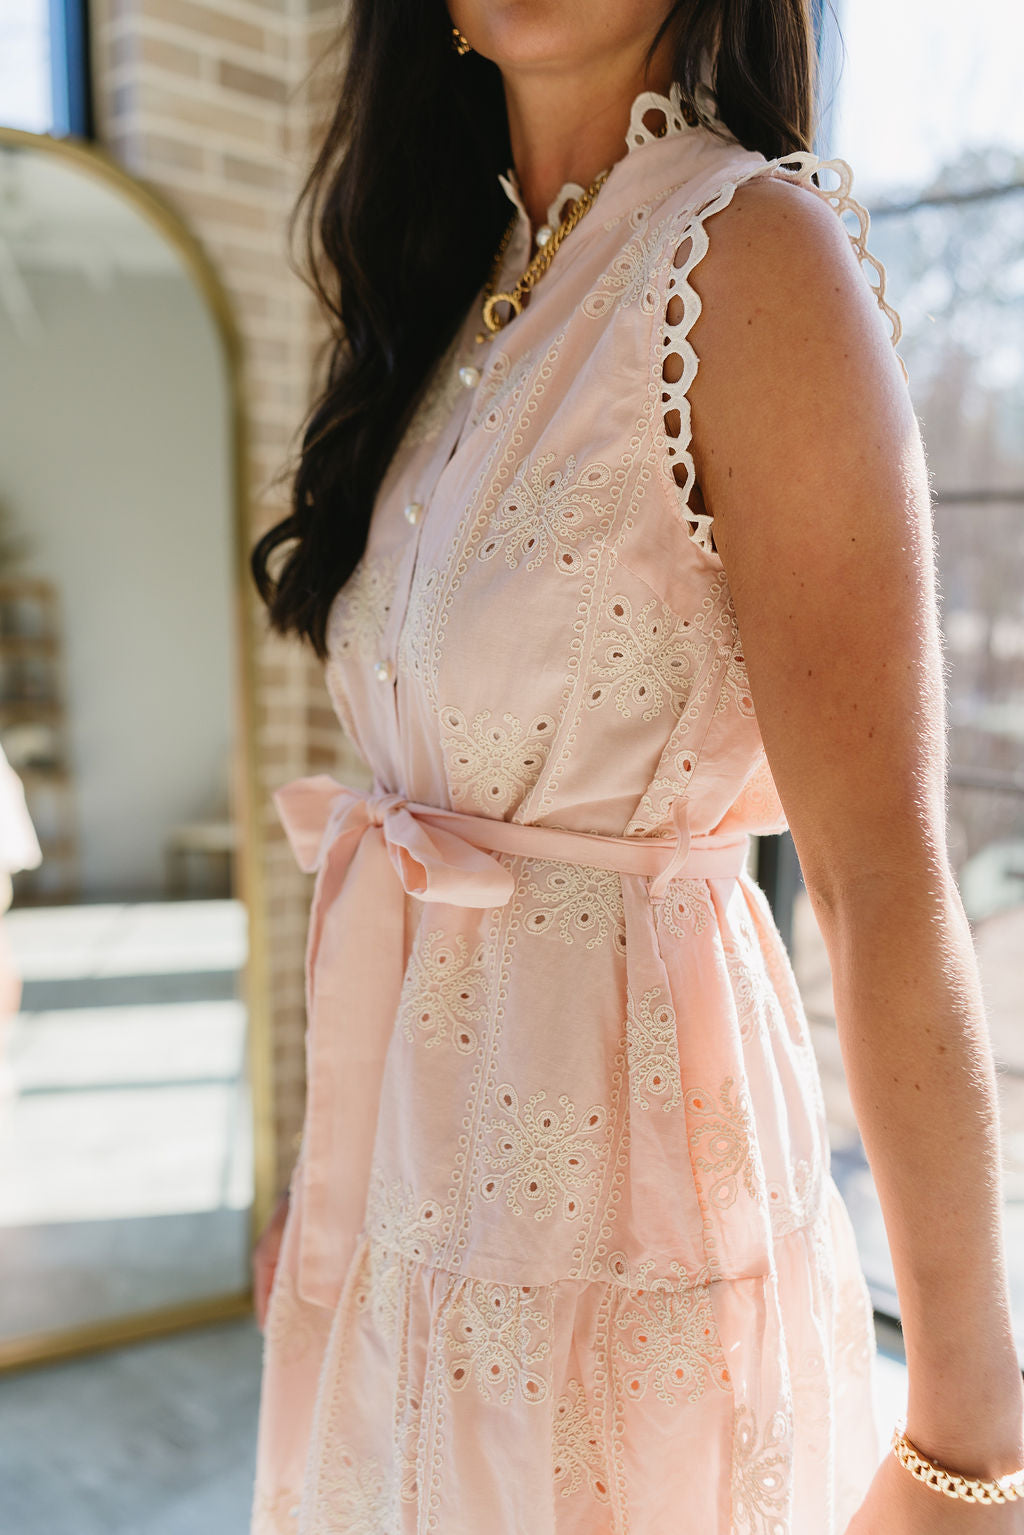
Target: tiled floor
x=158 y=1438
x=153 y=1439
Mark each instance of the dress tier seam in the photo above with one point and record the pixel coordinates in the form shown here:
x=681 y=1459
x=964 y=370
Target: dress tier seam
x=804 y=1229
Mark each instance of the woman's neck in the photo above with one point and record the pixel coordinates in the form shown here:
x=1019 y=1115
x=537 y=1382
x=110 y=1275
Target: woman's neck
x=569 y=126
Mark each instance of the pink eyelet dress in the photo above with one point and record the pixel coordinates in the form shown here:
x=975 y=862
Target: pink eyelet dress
x=564 y=1255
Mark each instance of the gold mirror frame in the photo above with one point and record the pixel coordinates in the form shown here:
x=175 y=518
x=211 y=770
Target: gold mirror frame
x=60 y=1343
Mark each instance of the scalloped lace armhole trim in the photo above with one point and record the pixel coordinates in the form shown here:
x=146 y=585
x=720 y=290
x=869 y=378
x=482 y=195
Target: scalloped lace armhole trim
x=679 y=362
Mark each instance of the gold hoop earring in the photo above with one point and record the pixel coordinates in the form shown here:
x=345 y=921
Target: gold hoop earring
x=460 y=42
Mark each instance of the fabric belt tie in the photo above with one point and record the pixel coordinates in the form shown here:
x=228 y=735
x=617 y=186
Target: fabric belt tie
x=444 y=855
x=437 y=855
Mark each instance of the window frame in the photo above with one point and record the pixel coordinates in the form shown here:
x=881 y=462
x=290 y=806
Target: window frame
x=71 y=95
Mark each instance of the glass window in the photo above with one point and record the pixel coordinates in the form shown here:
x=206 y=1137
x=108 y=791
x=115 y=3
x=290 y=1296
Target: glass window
x=929 y=113
x=44 y=67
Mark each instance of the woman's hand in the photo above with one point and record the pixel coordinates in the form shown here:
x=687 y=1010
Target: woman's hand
x=898 y=1504
x=264 y=1258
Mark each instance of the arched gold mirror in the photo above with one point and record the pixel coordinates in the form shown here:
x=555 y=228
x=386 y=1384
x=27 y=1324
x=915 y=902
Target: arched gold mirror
x=134 y=1094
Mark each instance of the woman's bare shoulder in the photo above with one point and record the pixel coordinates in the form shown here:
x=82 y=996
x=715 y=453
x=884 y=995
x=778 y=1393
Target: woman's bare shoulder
x=787 y=321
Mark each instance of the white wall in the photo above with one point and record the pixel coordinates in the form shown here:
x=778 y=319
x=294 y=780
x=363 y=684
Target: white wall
x=115 y=459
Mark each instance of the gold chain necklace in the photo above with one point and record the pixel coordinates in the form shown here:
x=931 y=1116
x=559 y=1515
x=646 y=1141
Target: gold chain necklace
x=537 y=267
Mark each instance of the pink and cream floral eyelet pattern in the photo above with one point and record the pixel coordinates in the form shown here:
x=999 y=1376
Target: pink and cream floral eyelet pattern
x=564 y=1253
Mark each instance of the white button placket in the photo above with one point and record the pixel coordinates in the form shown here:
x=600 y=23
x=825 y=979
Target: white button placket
x=415 y=510
x=422 y=491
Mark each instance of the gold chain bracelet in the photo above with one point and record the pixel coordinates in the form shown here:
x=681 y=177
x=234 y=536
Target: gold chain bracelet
x=537 y=267
x=972 y=1489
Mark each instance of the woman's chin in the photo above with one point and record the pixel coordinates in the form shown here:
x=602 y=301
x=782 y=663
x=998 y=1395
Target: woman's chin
x=552 y=34
x=558 y=35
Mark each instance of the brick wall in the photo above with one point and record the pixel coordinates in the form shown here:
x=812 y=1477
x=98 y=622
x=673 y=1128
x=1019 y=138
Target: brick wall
x=216 y=106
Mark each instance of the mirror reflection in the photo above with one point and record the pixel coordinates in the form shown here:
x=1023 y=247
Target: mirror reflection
x=125 y=1125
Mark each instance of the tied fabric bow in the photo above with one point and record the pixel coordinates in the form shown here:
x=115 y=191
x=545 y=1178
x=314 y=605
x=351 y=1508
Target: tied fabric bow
x=431 y=863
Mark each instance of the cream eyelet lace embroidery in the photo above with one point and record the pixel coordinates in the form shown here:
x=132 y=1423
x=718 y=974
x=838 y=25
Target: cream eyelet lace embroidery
x=678 y=361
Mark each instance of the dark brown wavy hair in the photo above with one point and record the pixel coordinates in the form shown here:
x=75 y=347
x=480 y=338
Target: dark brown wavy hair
x=401 y=214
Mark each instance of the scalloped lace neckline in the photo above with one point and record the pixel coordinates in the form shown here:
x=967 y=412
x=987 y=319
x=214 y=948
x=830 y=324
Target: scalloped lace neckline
x=638 y=136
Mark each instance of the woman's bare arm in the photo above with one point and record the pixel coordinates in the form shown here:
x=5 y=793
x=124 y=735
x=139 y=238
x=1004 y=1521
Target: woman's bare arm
x=809 y=455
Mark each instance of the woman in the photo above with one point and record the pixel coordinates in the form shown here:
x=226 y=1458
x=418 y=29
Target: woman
x=562 y=1250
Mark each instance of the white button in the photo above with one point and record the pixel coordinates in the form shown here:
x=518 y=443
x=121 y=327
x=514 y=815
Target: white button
x=413 y=512
x=383 y=671
x=470 y=377
x=544 y=234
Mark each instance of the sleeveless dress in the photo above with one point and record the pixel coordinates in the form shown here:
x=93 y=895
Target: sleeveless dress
x=564 y=1255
